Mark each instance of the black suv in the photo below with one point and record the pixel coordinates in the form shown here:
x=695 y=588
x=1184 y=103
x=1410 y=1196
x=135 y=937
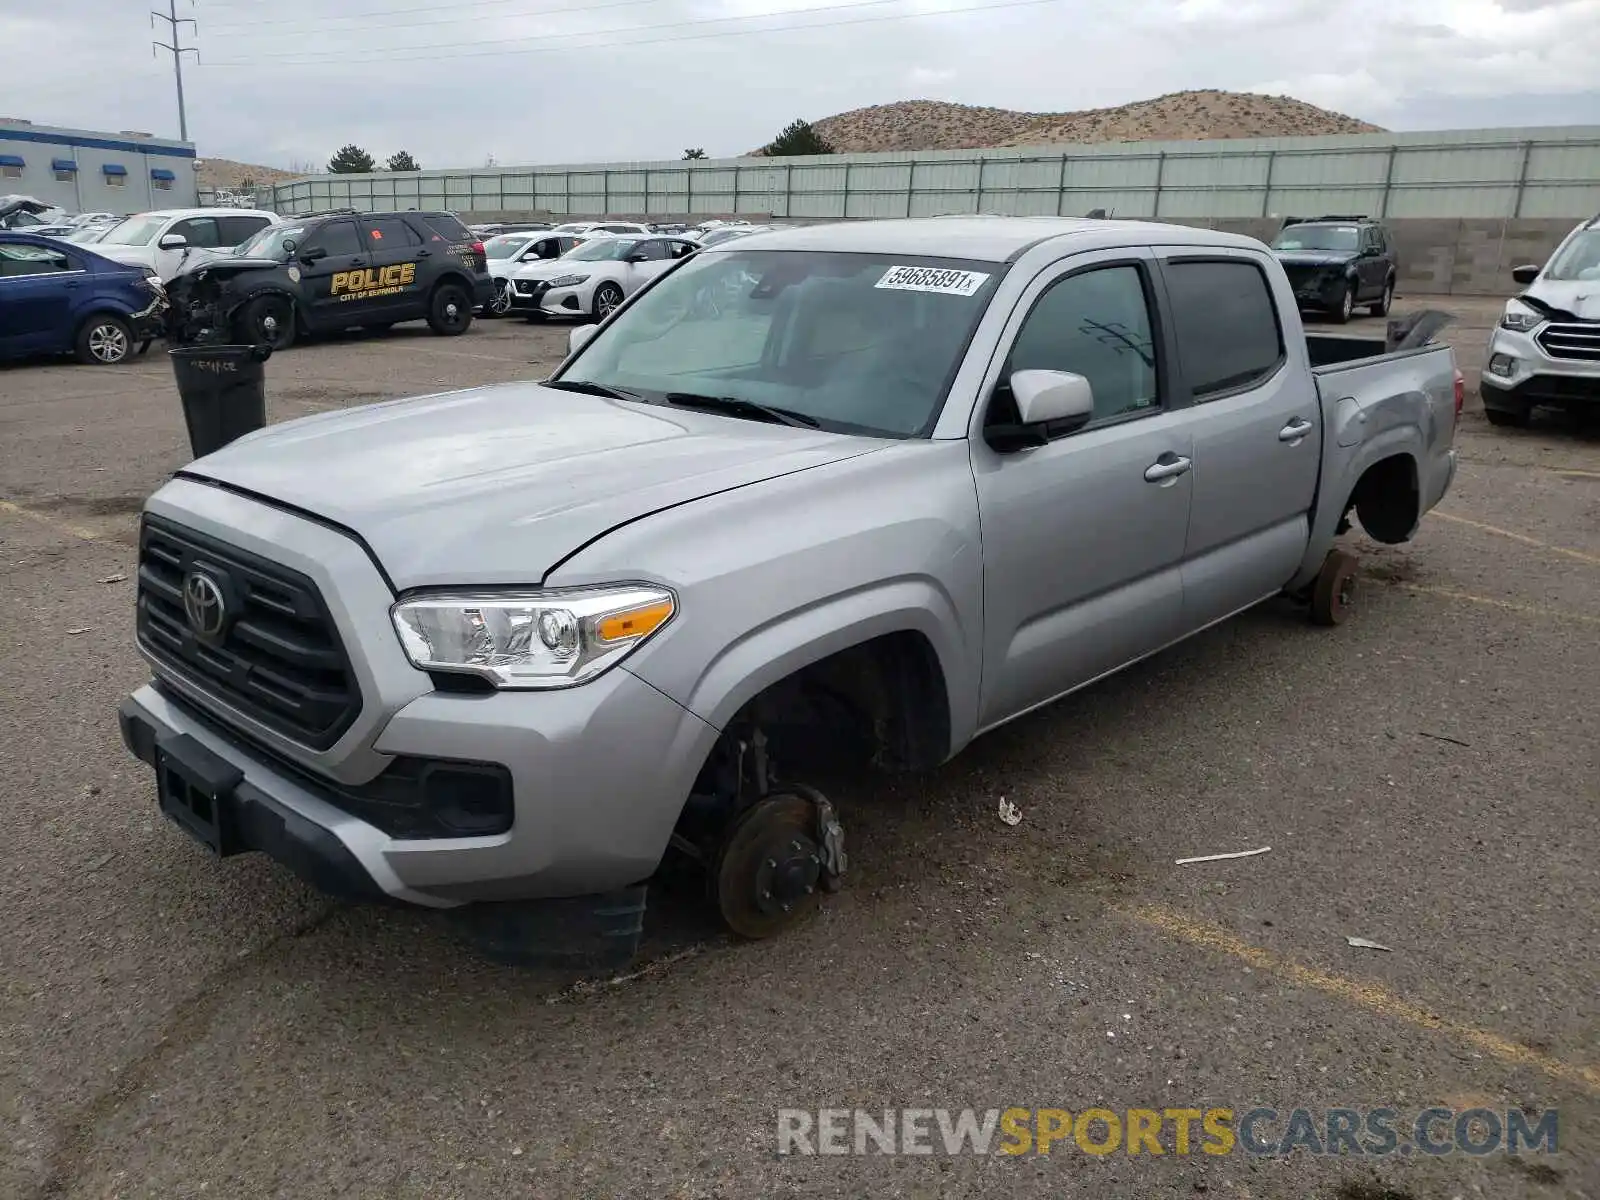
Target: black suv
x=1335 y=263
x=331 y=271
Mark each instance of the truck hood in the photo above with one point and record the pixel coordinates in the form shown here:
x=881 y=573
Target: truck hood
x=134 y=256
x=1313 y=258
x=497 y=485
x=1578 y=297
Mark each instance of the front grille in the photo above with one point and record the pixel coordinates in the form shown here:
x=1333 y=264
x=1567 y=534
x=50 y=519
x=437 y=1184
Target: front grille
x=278 y=657
x=1571 y=340
x=1304 y=278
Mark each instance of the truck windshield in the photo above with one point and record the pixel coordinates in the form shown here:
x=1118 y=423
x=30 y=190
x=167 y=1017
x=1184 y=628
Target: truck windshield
x=1578 y=259
x=857 y=343
x=1339 y=238
x=134 y=231
x=268 y=243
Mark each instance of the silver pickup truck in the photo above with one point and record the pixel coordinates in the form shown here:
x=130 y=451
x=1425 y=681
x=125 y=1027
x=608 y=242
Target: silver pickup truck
x=871 y=489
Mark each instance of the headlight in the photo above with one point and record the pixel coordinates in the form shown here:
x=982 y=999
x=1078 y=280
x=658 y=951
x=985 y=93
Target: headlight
x=549 y=639
x=1521 y=317
x=153 y=282
x=569 y=281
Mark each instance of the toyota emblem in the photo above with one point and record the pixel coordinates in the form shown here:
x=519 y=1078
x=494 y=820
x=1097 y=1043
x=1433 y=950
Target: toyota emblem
x=203 y=604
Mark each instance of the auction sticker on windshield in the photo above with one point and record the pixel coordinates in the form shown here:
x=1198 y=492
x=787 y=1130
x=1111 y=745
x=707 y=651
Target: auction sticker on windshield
x=932 y=279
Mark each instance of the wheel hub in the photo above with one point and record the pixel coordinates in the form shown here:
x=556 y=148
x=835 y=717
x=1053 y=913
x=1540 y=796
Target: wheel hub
x=772 y=867
x=785 y=878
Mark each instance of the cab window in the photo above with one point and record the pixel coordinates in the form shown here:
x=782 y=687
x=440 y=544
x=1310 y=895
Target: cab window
x=653 y=251
x=200 y=231
x=337 y=238
x=681 y=249
x=389 y=233
x=1095 y=324
x=236 y=230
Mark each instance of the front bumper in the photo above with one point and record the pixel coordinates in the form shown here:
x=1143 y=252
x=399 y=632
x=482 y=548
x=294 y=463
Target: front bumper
x=1529 y=375
x=568 y=301
x=528 y=294
x=598 y=773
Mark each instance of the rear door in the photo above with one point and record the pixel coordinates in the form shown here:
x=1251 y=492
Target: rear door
x=1257 y=427
x=392 y=258
x=38 y=289
x=333 y=273
x=1083 y=537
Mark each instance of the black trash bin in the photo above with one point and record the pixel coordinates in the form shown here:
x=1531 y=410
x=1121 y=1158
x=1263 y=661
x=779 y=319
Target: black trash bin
x=223 y=390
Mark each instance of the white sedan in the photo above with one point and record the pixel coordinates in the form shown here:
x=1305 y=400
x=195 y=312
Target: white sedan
x=594 y=279
x=508 y=251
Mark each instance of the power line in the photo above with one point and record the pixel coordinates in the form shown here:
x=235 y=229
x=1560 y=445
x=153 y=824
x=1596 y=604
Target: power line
x=317 y=23
x=509 y=46
x=178 y=50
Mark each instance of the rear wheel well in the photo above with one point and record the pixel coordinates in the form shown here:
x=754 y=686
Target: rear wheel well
x=1387 y=499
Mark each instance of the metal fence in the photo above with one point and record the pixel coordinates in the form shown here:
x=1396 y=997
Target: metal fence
x=1506 y=173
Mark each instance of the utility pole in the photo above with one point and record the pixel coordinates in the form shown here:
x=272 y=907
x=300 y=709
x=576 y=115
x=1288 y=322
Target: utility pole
x=178 y=50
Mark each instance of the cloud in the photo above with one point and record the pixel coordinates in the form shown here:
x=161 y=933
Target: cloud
x=551 y=81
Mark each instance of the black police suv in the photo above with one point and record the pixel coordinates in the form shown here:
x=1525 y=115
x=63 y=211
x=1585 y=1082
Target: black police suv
x=332 y=271
x=1336 y=263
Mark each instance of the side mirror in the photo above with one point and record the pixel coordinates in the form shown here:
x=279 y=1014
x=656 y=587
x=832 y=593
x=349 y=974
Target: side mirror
x=173 y=241
x=315 y=254
x=579 y=337
x=1048 y=402
x=638 y=256
x=1526 y=273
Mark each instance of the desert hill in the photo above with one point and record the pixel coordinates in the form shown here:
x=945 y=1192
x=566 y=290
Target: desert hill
x=937 y=125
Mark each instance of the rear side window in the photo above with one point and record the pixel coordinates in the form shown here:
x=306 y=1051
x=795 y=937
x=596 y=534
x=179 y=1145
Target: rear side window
x=390 y=233
x=1227 y=327
x=447 y=228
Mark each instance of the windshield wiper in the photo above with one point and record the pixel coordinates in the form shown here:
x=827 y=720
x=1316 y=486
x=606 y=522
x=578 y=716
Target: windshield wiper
x=586 y=388
x=735 y=407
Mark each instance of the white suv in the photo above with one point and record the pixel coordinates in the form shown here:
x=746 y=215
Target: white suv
x=165 y=240
x=1546 y=347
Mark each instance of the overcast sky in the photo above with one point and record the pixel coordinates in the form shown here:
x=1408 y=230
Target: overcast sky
x=544 y=81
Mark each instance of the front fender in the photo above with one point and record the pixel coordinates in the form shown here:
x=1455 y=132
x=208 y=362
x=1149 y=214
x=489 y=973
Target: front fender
x=763 y=656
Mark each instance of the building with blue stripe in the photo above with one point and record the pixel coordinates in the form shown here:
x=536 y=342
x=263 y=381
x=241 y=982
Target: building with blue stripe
x=83 y=170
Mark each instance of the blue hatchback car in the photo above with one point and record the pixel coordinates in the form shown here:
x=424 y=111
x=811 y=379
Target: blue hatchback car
x=60 y=298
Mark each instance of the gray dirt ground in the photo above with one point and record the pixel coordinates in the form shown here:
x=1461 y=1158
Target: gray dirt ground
x=1427 y=776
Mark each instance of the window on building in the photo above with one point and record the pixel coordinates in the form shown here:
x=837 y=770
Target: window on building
x=11 y=166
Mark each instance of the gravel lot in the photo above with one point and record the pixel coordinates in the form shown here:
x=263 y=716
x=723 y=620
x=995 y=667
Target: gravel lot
x=1427 y=776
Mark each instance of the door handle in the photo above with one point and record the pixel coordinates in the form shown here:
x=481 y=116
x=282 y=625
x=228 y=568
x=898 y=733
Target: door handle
x=424 y=253
x=1295 y=431
x=1166 y=469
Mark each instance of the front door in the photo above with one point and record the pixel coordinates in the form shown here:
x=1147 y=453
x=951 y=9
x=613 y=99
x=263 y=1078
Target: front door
x=198 y=233
x=646 y=260
x=1083 y=537
x=1257 y=426
x=333 y=265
